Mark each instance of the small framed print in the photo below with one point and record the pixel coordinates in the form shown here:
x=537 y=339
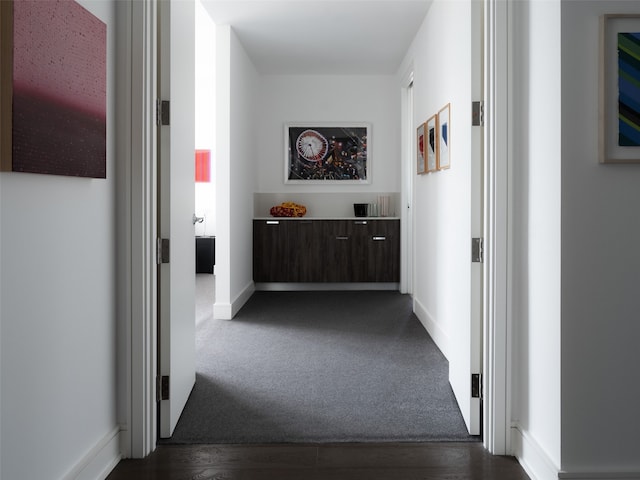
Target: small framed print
x=431 y=132
x=421 y=144
x=444 y=137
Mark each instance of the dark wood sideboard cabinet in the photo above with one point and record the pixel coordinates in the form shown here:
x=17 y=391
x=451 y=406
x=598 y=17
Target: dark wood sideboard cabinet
x=302 y=250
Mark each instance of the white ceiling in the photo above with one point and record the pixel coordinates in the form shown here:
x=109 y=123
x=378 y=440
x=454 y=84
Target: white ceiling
x=319 y=37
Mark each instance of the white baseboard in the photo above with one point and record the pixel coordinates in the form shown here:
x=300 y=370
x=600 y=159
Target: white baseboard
x=227 y=311
x=222 y=311
x=537 y=464
x=533 y=459
x=242 y=298
x=125 y=441
x=600 y=475
x=98 y=462
x=437 y=334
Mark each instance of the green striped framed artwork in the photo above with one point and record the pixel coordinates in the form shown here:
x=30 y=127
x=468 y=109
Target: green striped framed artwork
x=619 y=135
x=629 y=89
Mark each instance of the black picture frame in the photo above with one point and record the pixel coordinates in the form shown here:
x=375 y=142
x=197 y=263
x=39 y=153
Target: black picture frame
x=327 y=153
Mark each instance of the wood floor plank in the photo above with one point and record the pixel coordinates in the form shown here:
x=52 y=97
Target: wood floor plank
x=398 y=455
x=246 y=456
x=428 y=461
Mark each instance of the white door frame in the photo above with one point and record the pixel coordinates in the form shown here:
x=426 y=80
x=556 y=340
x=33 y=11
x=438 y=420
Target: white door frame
x=497 y=292
x=406 y=198
x=137 y=250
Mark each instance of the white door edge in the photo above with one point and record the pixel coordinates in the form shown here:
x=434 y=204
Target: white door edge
x=406 y=197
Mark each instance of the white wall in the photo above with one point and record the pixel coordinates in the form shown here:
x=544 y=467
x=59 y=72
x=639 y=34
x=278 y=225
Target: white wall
x=328 y=98
x=536 y=215
x=442 y=200
x=58 y=318
x=600 y=267
x=575 y=256
x=235 y=172
x=221 y=171
x=243 y=179
x=252 y=112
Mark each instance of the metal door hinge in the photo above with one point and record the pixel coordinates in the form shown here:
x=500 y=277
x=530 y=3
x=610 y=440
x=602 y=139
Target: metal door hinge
x=477 y=250
x=162 y=250
x=162 y=112
x=476 y=385
x=162 y=387
x=477 y=114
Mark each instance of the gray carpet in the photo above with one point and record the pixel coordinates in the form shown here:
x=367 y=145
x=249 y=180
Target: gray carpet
x=320 y=367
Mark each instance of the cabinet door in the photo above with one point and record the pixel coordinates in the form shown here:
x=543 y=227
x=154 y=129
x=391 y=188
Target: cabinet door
x=337 y=250
x=270 y=251
x=306 y=260
x=383 y=251
x=360 y=234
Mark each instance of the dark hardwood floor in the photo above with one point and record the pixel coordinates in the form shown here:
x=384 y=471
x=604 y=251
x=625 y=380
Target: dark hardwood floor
x=425 y=461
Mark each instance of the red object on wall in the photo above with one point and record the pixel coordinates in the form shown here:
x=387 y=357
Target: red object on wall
x=203 y=165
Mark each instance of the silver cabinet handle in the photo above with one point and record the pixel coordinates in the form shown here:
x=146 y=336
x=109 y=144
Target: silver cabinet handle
x=342 y=238
x=360 y=222
x=379 y=238
x=273 y=222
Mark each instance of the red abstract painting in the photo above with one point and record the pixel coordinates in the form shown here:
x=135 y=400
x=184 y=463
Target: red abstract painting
x=203 y=166
x=59 y=89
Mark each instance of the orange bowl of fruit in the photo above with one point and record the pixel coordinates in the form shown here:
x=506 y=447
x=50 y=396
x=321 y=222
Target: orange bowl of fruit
x=288 y=209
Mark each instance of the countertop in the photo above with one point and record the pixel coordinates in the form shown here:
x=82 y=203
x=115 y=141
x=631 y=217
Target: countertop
x=326 y=218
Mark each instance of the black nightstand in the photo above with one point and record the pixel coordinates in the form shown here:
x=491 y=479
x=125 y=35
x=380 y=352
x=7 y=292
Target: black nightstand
x=205 y=254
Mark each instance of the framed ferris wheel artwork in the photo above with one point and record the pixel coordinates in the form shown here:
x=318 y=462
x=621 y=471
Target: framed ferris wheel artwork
x=327 y=153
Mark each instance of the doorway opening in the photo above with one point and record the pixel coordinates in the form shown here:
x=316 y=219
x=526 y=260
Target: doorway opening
x=205 y=138
x=147 y=389
x=410 y=149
